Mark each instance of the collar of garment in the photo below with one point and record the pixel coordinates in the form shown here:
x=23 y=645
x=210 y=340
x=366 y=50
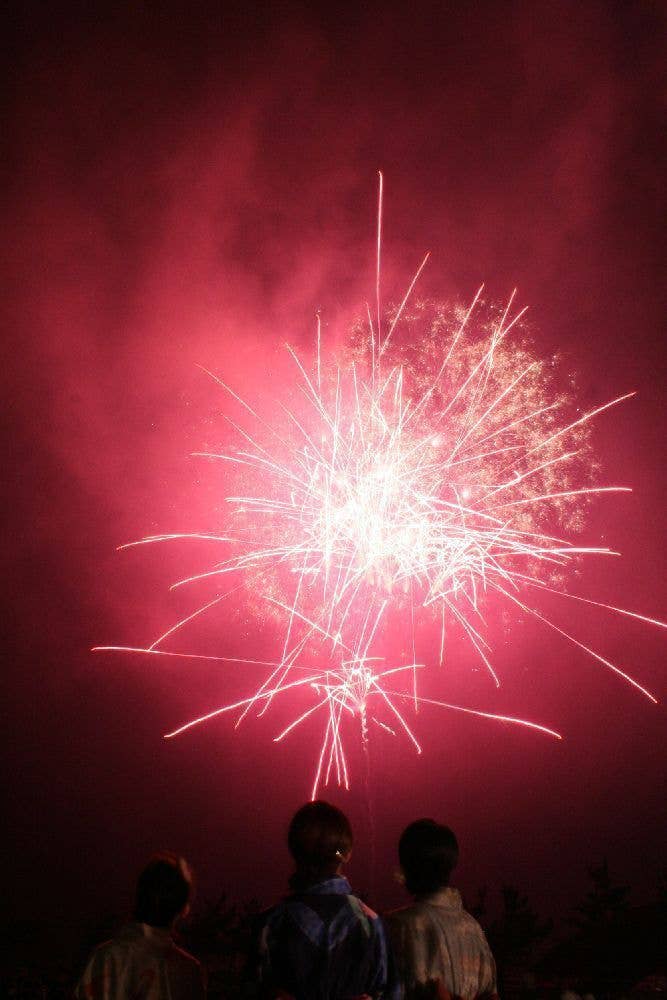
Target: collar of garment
x=338 y=885
x=448 y=897
x=159 y=935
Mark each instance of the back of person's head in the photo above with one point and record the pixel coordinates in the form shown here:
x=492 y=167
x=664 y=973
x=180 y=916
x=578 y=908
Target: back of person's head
x=428 y=852
x=163 y=890
x=319 y=840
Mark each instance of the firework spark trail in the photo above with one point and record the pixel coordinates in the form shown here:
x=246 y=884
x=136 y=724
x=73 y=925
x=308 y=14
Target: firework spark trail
x=414 y=481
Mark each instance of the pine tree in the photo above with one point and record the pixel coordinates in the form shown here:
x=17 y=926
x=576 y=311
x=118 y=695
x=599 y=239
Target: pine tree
x=604 y=902
x=517 y=931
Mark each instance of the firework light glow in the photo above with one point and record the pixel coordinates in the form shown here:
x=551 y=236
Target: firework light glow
x=427 y=470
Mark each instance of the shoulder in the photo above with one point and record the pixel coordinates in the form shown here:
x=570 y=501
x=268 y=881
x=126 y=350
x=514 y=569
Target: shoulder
x=358 y=905
x=271 y=925
x=273 y=916
x=116 y=946
x=183 y=957
x=403 y=915
x=103 y=967
x=471 y=925
x=186 y=971
x=472 y=936
x=402 y=911
x=405 y=924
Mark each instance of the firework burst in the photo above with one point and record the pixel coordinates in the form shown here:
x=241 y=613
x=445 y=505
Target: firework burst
x=428 y=468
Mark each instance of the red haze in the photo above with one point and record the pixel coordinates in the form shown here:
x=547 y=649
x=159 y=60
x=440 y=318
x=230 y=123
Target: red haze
x=189 y=189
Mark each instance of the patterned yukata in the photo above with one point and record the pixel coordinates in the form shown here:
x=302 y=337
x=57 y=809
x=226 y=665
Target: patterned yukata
x=440 y=950
x=322 y=943
x=141 y=963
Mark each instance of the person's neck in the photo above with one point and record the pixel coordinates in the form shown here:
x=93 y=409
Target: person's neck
x=303 y=879
x=157 y=927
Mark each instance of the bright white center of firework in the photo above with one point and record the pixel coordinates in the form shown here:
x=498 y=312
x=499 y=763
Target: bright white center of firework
x=375 y=520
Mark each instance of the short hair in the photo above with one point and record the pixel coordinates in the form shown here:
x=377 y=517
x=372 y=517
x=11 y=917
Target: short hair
x=163 y=890
x=319 y=838
x=428 y=852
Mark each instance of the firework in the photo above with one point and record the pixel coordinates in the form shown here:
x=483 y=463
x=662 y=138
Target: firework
x=429 y=467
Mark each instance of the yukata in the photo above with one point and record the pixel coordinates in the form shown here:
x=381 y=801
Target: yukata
x=440 y=950
x=322 y=943
x=141 y=963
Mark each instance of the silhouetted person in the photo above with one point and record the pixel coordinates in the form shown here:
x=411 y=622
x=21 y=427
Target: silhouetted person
x=142 y=962
x=440 y=950
x=321 y=942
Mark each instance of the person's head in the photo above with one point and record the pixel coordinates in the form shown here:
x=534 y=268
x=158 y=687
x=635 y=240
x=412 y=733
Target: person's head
x=319 y=840
x=428 y=852
x=163 y=890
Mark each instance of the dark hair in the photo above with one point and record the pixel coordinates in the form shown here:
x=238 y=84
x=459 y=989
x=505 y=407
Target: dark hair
x=163 y=890
x=319 y=838
x=428 y=852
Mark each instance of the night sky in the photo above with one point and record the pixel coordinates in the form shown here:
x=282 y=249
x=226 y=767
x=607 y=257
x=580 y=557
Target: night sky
x=189 y=188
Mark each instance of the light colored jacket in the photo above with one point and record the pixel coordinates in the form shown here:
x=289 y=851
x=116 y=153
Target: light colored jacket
x=436 y=941
x=141 y=963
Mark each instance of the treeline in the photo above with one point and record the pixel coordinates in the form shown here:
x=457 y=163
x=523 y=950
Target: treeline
x=607 y=948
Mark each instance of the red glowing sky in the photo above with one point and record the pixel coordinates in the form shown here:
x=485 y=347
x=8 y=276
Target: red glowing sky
x=189 y=189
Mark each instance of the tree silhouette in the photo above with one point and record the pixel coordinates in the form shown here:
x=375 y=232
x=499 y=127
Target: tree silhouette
x=478 y=909
x=219 y=935
x=604 y=902
x=514 y=935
